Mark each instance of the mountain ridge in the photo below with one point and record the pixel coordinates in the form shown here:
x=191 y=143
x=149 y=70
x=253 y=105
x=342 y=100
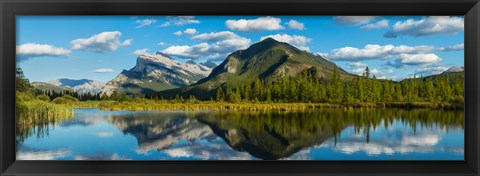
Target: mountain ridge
x=153 y=73
x=268 y=60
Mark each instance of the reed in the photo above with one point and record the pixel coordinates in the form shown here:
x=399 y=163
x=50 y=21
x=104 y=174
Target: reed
x=166 y=105
x=38 y=111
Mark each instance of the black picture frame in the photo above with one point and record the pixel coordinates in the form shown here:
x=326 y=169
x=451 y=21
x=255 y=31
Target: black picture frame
x=10 y=8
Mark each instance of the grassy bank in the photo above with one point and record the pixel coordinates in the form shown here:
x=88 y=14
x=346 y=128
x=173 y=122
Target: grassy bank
x=143 y=104
x=38 y=111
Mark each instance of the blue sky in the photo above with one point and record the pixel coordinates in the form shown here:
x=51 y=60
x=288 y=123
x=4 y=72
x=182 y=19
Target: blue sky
x=100 y=47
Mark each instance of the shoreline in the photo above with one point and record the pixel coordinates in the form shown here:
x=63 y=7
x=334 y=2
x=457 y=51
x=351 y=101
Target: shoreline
x=258 y=106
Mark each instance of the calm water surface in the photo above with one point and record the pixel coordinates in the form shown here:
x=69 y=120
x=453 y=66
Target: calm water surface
x=325 y=134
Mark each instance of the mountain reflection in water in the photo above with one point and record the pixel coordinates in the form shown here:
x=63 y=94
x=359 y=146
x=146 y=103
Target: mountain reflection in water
x=322 y=134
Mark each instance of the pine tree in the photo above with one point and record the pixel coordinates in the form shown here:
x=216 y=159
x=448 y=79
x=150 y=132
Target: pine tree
x=220 y=94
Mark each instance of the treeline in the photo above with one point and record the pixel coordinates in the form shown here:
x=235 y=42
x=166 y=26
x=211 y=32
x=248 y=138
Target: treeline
x=54 y=94
x=308 y=88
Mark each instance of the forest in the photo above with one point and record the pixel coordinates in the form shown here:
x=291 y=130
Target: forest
x=444 y=91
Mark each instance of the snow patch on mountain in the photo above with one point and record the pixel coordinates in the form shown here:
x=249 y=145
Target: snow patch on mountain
x=81 y=86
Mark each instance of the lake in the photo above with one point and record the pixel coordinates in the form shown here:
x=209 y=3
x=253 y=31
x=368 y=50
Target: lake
x=317 y=134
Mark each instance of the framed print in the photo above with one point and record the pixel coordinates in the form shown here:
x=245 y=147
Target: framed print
x=239 y=88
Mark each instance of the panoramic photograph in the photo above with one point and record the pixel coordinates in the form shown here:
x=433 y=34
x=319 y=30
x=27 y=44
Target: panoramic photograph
x=240 y=88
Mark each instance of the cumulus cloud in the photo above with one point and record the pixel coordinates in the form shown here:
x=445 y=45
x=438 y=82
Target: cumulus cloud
x=431 y=70
x=188 y=31
x=145 y=22
x=102 y=42
x=260 y=24
x=29 y=50
x=418 y=59
x=457 y=47
x=216 y=36
x=404 y=55
x=296 y=25
x=141 y=51
x=180 y=21
x=356 y=64
x=42 y=154
x=215 y=45
x=378 y=25
x=103 y=70
x=295 y=40
x=395 y=56
x=414 y=60
x=353 y=20
x=427 y=26
x=161 y=43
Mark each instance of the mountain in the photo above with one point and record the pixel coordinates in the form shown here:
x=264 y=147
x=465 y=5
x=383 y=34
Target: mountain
x=80 y=85
x=454 y=69
x=49 y=87
x=209 y=64
x=268 y=60
x=154 y=73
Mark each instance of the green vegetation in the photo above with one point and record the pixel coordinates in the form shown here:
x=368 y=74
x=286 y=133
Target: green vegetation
x=306 y=91
x=31 y=109
x=444 y=91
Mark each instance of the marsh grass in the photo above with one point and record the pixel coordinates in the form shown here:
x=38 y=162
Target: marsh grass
x=144 y=104
x=38 y=111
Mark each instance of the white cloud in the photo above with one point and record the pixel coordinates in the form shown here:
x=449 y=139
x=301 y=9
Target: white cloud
x=42 y=155
x=180 y=21
x=296 y=25
x=216 y=36
x=141 y=51
x=357 y=64
x=431 y=70
x=353 y=20
x=178 y=33
x=427 y=26
x=378 y=25
x=216 y=45
x=414 y=60
x=457 y=47
x=29 y=50
x=145 y=22
x=373 y=71
x=103 y=70
x=126 y=42
x=168 y=23
x=295 y=40
x=370 y=51
x=161 y=43
x=102 y=42
x=418 y=59
x=104 y=134
x=188 y=31
x=404 y=55
x=260 y=24
x=358 y=71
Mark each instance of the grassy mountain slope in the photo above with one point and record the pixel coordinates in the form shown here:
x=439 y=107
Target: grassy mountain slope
x=268 y=60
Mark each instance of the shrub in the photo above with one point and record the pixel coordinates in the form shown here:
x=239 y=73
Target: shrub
x=24 y=96
x=65 y=100
x=43 y=97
